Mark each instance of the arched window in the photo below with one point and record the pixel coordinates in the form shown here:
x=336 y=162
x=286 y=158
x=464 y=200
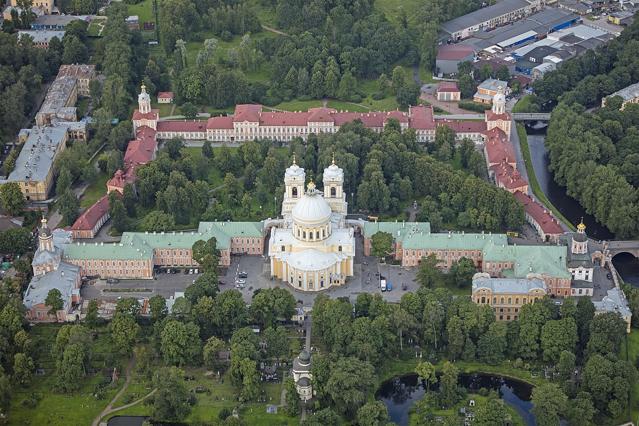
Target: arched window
x=317 y=235
x=510 y=301
x=333 y=192
x=294 y=192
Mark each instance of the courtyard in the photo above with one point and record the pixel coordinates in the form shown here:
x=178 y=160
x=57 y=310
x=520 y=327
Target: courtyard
x=257 y=269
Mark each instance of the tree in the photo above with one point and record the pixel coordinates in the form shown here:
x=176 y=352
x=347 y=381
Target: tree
x=70 y=368
x=11 y=198
x=448 y=392
x=157 y=221
x=5 y=394
x=463 y=271
x=124 y=331
x=211 y=351
x=467 y=86
x=75 y=51
x=207 y=150
x=180 y=343
x=189 y=110
x=206 y=254
x=205 y=285
x=91 y=319
x=171 y=400
x=277 y=345
x=606 y=333
x=68 y=206
x=347 y=87
x=157 y=306
x=324 y=417
x=408 y=94
x=456 y=337
x=381 y=244
x=566 y=366
x=549 y=402
x=22 y=369
x=491 y=412
x=348 y=384
x=269 y=305
x=54 y=301
x=173 y=147
x=558 y=336
x=128 y=306
x=582 y=411
x=117 y=211
x=292 y=398
x=372 y=414
x=426 y=371
x=428 y=274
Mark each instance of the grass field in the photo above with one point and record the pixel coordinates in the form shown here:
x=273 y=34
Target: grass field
x=532 y=178
x=630 y=352
x=96 y=190
x=393 y=9
x=143 y=10
x=57 y=409
x=296 y=105
x=525 y=104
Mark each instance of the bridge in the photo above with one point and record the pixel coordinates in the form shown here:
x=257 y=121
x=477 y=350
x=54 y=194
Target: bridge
x=617 y=247
x=531 y=116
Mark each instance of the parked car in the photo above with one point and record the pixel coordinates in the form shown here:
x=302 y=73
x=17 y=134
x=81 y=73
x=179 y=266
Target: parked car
x=242 y=274
x=112 y=281
x=240 y=281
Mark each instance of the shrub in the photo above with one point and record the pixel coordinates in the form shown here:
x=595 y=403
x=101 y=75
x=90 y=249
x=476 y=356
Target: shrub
x=473 y=106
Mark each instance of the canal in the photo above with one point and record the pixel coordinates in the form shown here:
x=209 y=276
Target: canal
x=627 y=265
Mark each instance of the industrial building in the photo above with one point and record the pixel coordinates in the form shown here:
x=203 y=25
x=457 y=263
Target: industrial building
x=488 y=18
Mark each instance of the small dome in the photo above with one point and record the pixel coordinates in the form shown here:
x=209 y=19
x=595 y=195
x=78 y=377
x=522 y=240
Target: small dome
x=579 y=237
x=311 y=209
x=304 y=356
x=44 y=229
x=303 y=382
x=333 y=172
x=294 y=170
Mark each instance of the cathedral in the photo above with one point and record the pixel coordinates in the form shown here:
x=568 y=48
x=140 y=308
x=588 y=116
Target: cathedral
x=311 y=247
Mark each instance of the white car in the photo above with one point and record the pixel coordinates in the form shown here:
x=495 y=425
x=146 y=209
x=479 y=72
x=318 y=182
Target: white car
x=240 y=281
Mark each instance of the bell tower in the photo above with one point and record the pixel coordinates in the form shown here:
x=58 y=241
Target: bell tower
x=294 y=179
x=333 y=178
x=580 y=240
x=499 y=101
x=45 y=239
x=144 y=101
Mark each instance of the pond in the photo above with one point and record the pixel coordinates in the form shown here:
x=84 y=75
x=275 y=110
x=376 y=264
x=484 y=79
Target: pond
x=400 y=393
x=126 y=421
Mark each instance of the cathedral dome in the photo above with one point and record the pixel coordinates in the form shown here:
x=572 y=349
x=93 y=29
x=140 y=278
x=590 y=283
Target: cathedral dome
x=312 y=208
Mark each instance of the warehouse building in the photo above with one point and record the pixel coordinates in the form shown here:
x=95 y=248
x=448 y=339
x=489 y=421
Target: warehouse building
x=488 y=18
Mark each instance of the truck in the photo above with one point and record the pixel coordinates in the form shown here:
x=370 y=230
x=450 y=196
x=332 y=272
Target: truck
x=382 y=284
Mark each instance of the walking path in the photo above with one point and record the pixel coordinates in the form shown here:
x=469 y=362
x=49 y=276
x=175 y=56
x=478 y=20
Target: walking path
x=109 y=408
x=273 y=30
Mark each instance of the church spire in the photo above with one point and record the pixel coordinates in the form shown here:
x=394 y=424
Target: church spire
x=144 y=100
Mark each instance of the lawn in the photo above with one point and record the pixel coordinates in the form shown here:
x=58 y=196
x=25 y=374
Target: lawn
x=393 y=9
x=52 y=408
x=96 y=190
x=630 y=352
x=526 y=104
x=296 y=105
x=143 y=10
x=96 y=26
x=532 y=177
x=221 y=394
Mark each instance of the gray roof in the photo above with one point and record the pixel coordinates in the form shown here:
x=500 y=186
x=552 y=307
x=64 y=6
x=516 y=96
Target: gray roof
x=304 y=382
x=482 y=15
x=581 y=284
x=615 y=301
x=628 y=93
x=539 y=52
x=507 y=285
x=63 y=279
x=492 y=84
x=58 y=20
x=41 y=36
x=38 y=154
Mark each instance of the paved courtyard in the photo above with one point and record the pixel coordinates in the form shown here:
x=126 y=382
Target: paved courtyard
x=257 y=269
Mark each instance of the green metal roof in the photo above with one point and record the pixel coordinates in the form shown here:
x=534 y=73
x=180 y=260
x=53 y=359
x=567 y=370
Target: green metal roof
x=135 y=249
x=451 y=241
x=135 y=245
x=549 y=260
x=372 y=228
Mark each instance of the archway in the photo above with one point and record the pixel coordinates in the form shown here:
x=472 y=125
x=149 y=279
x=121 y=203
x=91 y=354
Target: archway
x=628 y=267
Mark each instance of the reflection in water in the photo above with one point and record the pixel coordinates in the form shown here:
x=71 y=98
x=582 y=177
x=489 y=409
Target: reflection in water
x=400 y=393
x=628 y=267
x=567 y=205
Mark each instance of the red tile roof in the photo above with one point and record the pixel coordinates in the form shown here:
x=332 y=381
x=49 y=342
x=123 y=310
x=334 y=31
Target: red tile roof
x=153 y=115
x=92 y=215
x=539 y=214
x=421 y=117
x=142 y=149
x=321 y=115
x=247 y=112
x=222 y=122
x=165 y=95
x=121 y=178
x=447 y=86
x=182 y=126
x=491 y=116
x=284 y=118
x=508 y=177
x=464 y=126
x=498 y=149
x=454 y=52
